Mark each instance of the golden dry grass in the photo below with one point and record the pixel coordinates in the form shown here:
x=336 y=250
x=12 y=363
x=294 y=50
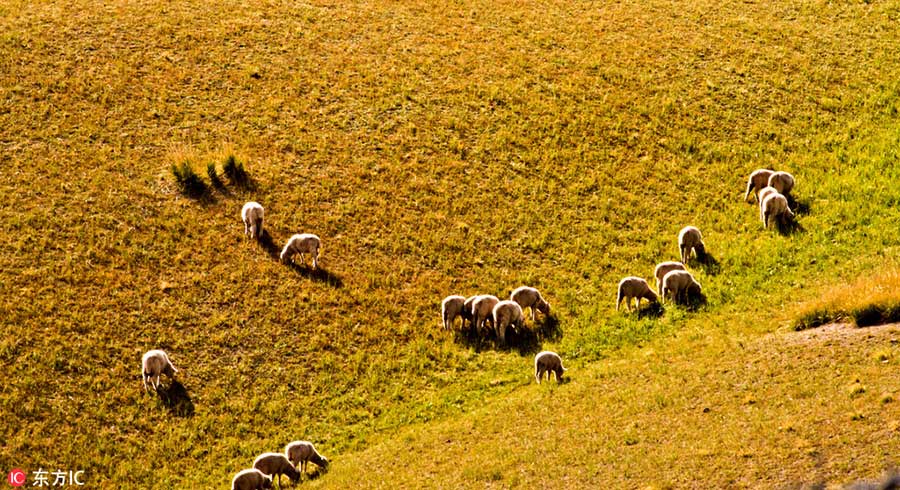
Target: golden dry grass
x=436 y=148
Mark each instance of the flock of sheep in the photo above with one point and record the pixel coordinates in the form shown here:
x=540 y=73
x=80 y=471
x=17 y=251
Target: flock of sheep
x=267 y=467
x=480 y=309
x=673 y=282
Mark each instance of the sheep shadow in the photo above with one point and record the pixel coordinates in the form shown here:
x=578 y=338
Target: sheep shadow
x=709 y=264
x=651 y=310
x=525 y=341
x=176 y=398
x=268 y=244
x=788 y=227
x=317 y=274
x=801 y=207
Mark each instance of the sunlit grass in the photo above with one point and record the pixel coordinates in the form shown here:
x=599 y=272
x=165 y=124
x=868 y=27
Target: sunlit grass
x=868 y=300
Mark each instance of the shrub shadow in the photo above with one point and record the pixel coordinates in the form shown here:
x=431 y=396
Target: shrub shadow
x=176 y=398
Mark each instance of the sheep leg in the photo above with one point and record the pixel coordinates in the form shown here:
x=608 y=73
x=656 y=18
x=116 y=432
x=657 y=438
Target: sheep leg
x=639 y=303
x=532 y=313
x=537 y=375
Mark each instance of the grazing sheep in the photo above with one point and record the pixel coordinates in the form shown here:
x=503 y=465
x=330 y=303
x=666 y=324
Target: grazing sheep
x=528 y=297
x=783 y=182
x=765 y=193
x=634 y=287
x=758 y=179
x=482 y=308
x=275 y=465
x=300 y=452
x=452 y=307
x=507 y=313
x=548 y=362
x=680 y=285
x=775 y=206
x=252 y=214
x=467 y=311
x=153 y=364
x=689 y=238
x=304 y=243
x=251 y=479
x=664 y=268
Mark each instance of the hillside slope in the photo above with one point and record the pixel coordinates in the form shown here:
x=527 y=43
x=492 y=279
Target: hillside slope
x=436 y=148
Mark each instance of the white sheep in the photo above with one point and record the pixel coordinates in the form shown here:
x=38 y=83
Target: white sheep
x=275 y=465
x=505 y=314
x=680 y=286
x=153 y=364
x=252 y=214
x=664 y=268
x=758 y=179
x=783 y=182
x=775 y=206
x=689 y=238
x=634 y=288
x=529 y=297
x=467 y=311
x=303 y=243
x=452 y=307
x=251 y=479
x=767 y=190
x=301 y=452
x=548 y=362
x=482 y=311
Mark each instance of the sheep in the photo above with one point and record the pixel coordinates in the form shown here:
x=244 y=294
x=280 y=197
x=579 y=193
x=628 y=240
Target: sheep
x=507 y=313
x=664 y=268
x=300 y=452
x=680 y=285
x=634 y=287
x=775 y=206
x=547 y=362
x=528 y=297
x=276 y=464
x=251 y=479
x=252 y=214
x=153 y=364
x=690 y=238
x=482 y=308
x=303 y=243
x=452 y=307
x=758 y=179
x=765 y=193
x=783 y=182
x=467 y=311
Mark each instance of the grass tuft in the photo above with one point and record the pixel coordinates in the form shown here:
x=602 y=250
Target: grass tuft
x=214 y=176
x=234 y=170
x=870 y=300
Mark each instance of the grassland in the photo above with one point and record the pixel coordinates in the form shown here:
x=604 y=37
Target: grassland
x=441 y=148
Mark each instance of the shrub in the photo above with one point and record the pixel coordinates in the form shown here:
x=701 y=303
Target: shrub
x=214 y=176
x=234 y=170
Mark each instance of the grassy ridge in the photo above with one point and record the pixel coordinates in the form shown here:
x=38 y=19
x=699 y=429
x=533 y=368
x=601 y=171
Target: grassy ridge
x=469 y=147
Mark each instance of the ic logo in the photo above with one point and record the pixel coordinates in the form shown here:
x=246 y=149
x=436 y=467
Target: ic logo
x=16 y=477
